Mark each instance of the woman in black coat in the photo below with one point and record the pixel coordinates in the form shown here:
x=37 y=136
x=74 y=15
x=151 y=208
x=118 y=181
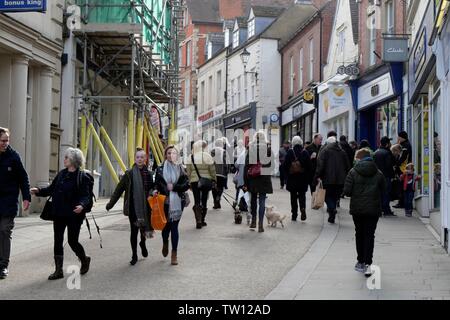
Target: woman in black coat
x=70 y=197
x=260 y=159
x=297 y=182
x=172 y=181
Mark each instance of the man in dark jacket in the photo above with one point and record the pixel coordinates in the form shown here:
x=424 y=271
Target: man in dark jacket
x=13 y=178
x=384 y=159
x=313 y=150
x=365 y=184
x=405 y=158
x=221 y=160
x=347 y=149
x=282 y=157
x=332 y=168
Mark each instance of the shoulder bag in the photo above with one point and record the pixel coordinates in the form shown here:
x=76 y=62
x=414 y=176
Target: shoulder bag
x=204 y=184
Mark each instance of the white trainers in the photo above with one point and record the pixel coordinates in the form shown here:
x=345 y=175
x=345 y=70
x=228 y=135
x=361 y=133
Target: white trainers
x=360 y=267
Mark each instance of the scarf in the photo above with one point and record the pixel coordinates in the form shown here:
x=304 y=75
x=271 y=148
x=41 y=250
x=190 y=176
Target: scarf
x=139 y=200
x=171 y=174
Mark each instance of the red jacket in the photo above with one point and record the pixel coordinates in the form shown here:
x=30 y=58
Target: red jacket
x=409 y=177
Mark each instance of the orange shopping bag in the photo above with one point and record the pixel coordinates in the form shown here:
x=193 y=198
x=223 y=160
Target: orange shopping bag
x=158 y=216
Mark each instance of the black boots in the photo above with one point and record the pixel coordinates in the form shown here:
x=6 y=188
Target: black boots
x=260 y=226
x=253 y=223
x=59 y=273
x=303 y=215
x=198 y=216
x=204 y=212
x=143 y=248
x=165 y=248
x=85 y=262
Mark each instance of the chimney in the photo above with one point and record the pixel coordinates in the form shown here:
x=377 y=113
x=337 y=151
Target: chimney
x=230 y=9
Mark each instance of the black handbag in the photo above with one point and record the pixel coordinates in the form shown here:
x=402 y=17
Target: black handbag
x=204 y=184
x=47 y=211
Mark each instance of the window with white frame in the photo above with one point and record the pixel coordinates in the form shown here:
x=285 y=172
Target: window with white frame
x=202 y=97
x=300 y=71
x=251 y=28
x=390 y=17
x=233 y=104
x=311 y=60
x=219 y=87
x=372 y=39
x=210 y=92
x=187 y=92
x=236 y=39
x=246 y=88
x=227 y=37
x=291 y=76
x=253 y=84
x=239 y=100
x=188 y=53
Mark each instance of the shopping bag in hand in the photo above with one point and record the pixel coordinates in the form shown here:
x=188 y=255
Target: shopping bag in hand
x=158 y=216
x=318 y=197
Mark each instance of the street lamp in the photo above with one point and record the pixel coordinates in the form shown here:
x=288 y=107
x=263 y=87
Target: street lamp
x=245 y=57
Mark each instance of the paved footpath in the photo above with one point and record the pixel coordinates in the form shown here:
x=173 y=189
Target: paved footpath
x=312 y=260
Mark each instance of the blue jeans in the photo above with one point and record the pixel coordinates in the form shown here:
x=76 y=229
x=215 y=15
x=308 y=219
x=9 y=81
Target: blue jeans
x=172 y=229
x=332 y=195
x=262 y=205
x=387 y=196
x=409 y=198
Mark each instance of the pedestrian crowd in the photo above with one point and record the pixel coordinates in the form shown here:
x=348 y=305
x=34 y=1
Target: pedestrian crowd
x=372 y=179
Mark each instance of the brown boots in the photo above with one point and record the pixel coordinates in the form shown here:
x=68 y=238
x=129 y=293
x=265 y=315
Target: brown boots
x=198 y=216
x=174 y=260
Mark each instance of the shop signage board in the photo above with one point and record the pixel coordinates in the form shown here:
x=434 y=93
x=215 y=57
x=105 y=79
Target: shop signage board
x=375 y=91
x=395 y=49
x=420 y=53
x=23 y=5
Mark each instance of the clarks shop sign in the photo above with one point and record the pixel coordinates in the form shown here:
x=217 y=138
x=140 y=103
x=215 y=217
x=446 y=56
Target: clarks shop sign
x=23 y=5
x=395 y=49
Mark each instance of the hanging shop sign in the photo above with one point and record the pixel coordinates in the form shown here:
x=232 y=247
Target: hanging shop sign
x=350 y=70
x=395 y=49
x=23 y=5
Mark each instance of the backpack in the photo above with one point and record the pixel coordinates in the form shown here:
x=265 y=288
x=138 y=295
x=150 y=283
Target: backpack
x=296 y=166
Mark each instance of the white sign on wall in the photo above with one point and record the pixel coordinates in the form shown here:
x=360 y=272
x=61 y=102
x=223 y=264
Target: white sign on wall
x=375 y=91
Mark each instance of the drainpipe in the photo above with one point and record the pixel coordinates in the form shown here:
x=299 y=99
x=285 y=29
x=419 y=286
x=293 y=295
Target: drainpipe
x=316 y=105
x=282 y=137
x=225 y=94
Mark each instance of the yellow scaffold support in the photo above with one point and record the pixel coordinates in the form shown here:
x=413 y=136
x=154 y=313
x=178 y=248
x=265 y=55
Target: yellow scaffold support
x=139 y=131
x=158 y=143
x=111 y=146
x=103 y=152
x=152 y=144
x=131 y=137
x=83 y=140
x=173 y=138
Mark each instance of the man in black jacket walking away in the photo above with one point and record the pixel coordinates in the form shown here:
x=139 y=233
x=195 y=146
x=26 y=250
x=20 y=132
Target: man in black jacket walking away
x=13 y=178
x=384 y=159
x=332 y=168
x=365 y=184
x=313 y=150
x=405 y=158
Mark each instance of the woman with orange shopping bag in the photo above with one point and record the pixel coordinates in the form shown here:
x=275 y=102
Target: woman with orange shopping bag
x=137 y=183
x=172 y=182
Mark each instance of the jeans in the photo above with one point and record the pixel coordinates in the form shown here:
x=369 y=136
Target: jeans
x=172 y=229
x=6 y=227
x=200 y=196
x=387 y=197
x=365 y=227
x=409 y=198
x=301 y=198
x=261 y=203
x=333 y=193
x=73 y=225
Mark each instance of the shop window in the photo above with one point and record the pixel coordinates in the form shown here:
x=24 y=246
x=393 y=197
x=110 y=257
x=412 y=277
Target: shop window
x=436 y=153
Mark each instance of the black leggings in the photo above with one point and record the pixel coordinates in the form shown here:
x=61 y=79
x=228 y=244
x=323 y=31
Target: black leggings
x=200 y=196
x=134 y=233
x=73 y=225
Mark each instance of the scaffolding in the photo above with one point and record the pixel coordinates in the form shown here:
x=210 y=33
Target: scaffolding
x=133 y=45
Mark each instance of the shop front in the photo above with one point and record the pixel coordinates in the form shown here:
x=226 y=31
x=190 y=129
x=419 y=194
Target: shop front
x=336 y=111
x=297 y=118
x=423 y=116
x=211 y=124
x=244 y=119
x=379 y=99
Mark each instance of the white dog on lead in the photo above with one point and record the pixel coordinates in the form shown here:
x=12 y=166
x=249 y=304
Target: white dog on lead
x=273 y=217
